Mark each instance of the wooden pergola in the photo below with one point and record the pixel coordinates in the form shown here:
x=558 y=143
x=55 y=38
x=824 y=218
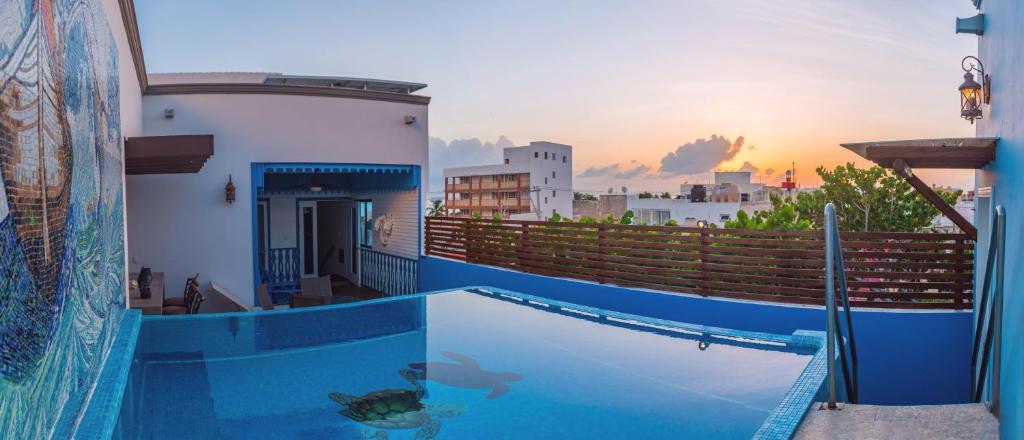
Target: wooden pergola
x=167 y=154
x=949 y=153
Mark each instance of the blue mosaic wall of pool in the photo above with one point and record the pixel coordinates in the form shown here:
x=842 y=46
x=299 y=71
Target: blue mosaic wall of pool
x=61 y=212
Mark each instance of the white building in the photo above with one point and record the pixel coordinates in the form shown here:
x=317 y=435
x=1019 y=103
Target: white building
x=534 y=182
x=316 y=163
x=657 y=211
x=730 y=185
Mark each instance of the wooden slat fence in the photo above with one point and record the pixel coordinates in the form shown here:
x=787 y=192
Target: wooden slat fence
x=884 y=269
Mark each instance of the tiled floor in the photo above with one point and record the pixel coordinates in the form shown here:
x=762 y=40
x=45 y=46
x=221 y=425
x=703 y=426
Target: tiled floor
x=863 y=422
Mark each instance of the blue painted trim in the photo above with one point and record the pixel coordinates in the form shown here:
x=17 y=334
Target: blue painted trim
x=255 y=183
x=323 y=167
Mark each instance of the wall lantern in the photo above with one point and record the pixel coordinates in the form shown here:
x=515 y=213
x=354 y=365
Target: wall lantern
x=229 y=191
x=973 y=94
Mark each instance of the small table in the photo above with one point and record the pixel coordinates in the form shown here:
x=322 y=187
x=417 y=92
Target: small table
x=154 y=305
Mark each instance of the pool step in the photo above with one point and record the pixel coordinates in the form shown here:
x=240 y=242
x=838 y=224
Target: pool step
x=862 y=422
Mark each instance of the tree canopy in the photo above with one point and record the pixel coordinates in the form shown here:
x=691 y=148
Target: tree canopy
x=782 y=217
x=872 y=199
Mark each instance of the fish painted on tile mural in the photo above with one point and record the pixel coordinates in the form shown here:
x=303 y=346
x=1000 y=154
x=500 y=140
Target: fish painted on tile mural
x=36 y=170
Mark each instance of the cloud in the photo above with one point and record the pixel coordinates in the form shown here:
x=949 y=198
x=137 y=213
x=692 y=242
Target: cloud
x=598 y=172
x=747 y=166
x=461 y=153
x=614 y=170
x=638 y=171
x=700 y=156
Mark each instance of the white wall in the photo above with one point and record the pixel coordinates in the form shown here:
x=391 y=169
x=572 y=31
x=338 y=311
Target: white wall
x=180 y=224
x=131 y=95
x=404 y=209
x=555 y=193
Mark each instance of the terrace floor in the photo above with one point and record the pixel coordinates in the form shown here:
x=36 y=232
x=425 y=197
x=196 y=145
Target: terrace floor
x=965 y=421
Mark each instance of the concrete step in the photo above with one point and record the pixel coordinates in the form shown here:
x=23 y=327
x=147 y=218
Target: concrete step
x=865 y=422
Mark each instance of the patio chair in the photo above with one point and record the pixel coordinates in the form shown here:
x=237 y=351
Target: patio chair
x=179 y=301
x=191 y=299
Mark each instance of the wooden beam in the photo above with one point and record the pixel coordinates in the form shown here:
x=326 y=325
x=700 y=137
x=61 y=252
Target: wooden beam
x=900 y=167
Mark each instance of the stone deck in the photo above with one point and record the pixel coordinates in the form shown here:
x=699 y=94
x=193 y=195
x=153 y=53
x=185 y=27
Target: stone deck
x=863 y=422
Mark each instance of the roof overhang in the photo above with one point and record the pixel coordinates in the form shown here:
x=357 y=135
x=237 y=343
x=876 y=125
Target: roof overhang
x=167 y=154
x=947 y=153
x=288 y=177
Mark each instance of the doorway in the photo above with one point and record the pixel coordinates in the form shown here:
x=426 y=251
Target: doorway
x=326 y=236
x=308 y=249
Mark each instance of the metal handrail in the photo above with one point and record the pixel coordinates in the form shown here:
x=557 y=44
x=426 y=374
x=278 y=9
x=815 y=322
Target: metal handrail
x=989 y=324
x=833 y=264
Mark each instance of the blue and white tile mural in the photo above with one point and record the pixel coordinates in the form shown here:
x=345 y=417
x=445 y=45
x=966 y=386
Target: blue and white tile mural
x=61 y=216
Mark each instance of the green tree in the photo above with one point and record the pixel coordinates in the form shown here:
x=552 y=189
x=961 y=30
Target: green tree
x=588 y=220
x=436 y=209
x=477 y=215
x=671 y=223
x=872 y=199
x=665 y=195
x=496 y=215
x=646 y=195
x=782 y=217
x=627 y=217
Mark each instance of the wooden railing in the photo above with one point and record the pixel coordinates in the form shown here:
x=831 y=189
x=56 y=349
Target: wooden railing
x=884 y=269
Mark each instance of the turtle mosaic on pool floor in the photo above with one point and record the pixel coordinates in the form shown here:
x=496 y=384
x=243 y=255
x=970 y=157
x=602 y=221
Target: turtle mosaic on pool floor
x=396 y=409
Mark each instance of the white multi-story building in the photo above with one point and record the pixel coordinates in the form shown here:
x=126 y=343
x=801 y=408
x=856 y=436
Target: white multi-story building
x=534 y=182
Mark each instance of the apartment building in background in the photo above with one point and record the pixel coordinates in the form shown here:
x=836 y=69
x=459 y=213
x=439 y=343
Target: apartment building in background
x=534 y=182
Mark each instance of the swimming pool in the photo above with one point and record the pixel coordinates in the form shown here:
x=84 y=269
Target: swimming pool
x=469 y=363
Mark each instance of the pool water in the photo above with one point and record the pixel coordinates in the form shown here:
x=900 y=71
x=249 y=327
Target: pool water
x=495 y=367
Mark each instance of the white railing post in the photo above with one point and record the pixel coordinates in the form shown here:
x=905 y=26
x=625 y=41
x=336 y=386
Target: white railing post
x=830 y=303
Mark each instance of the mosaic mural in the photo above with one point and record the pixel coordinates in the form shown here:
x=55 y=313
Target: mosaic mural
x=61 y=215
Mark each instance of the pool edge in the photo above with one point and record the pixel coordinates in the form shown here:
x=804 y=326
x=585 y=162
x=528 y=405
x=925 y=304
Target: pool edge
x=99 y=419
x=784 y=420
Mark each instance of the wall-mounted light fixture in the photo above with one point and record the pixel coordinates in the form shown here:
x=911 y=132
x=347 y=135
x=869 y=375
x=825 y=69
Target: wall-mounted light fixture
x=973 y=94
x=168 y=113
x=229 y=191
x=410 y=119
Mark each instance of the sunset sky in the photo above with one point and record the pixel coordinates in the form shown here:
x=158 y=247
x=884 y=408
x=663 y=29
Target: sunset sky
x=649 y=93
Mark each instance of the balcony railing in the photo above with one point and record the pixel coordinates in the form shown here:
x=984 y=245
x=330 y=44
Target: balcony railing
x=883 y=269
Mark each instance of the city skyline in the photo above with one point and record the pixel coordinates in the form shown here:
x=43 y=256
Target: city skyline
x=641 y=91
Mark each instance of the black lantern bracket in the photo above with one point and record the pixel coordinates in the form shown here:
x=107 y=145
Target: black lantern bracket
x=972 y=64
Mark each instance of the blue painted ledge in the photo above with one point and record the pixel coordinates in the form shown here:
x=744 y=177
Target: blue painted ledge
x=906 y=357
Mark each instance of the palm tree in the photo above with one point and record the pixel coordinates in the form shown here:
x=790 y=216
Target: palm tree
x=436 y=209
